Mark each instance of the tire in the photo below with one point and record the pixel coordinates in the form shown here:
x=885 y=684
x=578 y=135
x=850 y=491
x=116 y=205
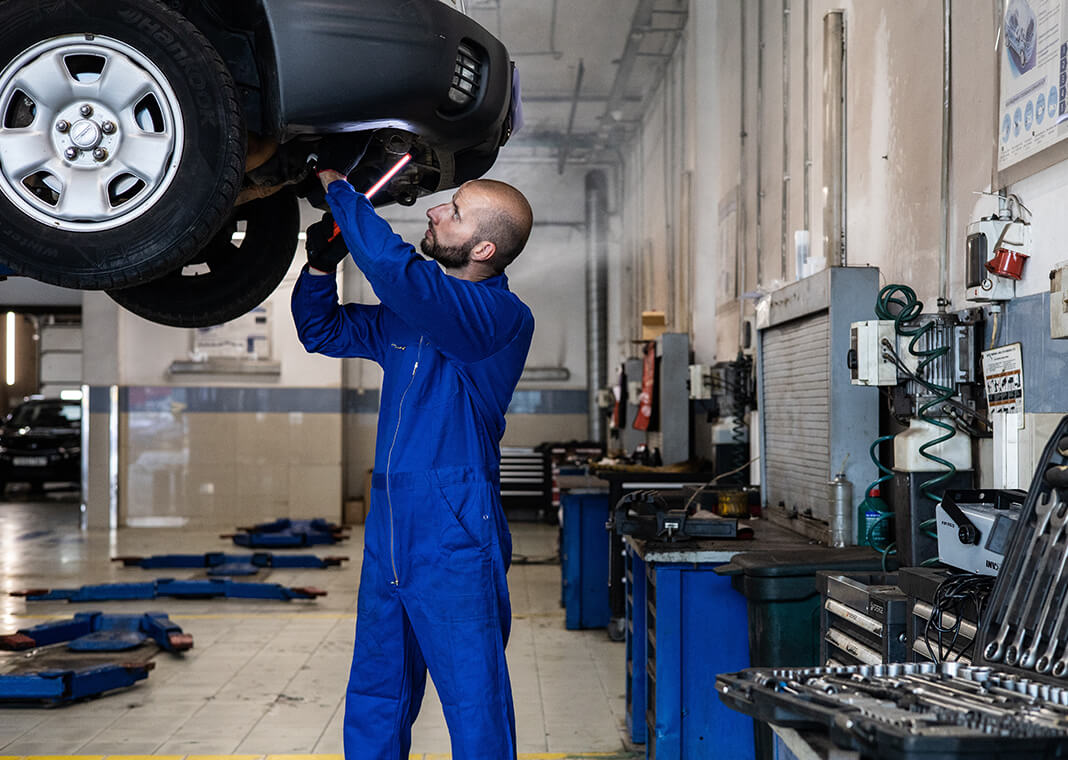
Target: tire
x=225 y=280
x=135 y=185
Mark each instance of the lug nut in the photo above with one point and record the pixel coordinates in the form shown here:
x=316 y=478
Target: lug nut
x=62 y=125
x=86 y=110
x=107 y=127
x=100 y=154
x=71 y=153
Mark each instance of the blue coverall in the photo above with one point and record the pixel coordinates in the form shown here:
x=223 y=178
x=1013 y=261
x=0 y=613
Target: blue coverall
x=433 y=592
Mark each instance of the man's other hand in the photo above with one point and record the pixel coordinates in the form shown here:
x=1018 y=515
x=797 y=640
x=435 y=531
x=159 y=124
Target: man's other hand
x=326 y=176
x=324 y=244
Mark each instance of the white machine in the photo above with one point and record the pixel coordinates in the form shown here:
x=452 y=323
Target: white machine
x=974 y=528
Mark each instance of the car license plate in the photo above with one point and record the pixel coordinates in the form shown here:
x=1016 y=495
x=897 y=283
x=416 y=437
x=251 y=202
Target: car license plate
x=29 y=461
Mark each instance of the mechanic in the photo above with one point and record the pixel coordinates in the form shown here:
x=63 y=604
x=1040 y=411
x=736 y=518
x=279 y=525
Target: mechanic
x=452 y=344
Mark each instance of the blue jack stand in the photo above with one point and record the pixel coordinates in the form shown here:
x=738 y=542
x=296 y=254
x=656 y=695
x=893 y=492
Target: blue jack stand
x=209 y=589
x=231 y=564
x=97 y=632
x=61 y=686
x=289 y=534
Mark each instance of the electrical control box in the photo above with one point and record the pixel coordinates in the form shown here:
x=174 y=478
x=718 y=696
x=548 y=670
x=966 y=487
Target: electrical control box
x=1058 y=301
x=867 y=363
x=996 y=250
x=700 y=381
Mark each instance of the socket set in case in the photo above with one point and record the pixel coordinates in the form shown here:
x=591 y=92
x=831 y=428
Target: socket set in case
x=1010 y=702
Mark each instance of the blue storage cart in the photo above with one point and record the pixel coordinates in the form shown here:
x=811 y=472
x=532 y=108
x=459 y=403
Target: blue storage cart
x=584 y=559
x=685 y=625
x=696 y=628
x=635 y=642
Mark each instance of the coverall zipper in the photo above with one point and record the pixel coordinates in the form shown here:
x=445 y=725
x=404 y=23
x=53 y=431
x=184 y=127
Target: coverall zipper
x=389 y=460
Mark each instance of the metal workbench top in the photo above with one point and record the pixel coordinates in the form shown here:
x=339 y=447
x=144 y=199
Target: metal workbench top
x=766 y=536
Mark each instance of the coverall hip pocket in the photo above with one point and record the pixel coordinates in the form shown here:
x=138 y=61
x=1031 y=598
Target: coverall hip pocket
x=464 y=512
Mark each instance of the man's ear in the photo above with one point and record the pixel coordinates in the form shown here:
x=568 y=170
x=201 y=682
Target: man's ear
x=483 y=251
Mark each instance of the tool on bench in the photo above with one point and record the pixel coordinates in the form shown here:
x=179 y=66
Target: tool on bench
x=653 y=515
x=231 y=564
x=98 y=632
x=196 y=589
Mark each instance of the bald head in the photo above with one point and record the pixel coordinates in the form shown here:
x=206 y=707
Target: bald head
x=504 y=220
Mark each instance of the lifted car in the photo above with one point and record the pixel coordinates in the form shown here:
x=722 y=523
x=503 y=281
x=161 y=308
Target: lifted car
x=137 y=136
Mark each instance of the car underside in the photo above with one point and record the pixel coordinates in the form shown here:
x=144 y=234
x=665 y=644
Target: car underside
x=138 y=136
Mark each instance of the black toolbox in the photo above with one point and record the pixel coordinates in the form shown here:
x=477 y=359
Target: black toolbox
x=1011 y=702
x=862 y=618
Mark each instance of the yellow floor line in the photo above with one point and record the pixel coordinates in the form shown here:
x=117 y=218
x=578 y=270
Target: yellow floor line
x=522 y=756
x=271 y=615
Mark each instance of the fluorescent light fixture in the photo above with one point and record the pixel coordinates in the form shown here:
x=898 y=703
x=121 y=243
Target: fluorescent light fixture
x=71 y=395
x=10 y=344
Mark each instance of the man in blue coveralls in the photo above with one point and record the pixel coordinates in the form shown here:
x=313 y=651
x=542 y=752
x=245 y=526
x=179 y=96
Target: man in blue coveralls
x=452 y=344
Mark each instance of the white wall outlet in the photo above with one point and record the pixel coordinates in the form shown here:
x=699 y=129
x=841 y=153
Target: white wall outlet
x=867 y=364
x=700 y=381
x=1058 y=301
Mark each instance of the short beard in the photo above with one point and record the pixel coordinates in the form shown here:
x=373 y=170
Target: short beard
x=455 y=257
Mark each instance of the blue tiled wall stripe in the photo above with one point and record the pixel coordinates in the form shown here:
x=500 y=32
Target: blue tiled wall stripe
x=360 y=402
x=141 y=398
x=149 y=398
x=563 y=401
x=1026 y=320
x=98 y=399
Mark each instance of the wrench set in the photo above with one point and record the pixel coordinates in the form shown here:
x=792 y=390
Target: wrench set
x=1010 y=700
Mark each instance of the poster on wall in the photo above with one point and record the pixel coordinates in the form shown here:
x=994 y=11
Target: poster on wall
x=1033 y=104
x=247 y=337
x=1003 y=380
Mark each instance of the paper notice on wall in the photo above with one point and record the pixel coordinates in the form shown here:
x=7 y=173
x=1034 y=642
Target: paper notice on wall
x=1003 y=378
x=247 y=337
x=1033 y=105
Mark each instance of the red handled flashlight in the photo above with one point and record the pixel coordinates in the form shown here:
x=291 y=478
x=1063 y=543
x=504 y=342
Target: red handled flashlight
x=389 y=175
x=380 y=184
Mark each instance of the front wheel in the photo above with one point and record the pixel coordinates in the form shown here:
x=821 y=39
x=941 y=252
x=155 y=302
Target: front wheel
x=121 y=141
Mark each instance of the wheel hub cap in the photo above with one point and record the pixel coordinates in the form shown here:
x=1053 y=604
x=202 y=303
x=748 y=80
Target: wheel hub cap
x=85 y=134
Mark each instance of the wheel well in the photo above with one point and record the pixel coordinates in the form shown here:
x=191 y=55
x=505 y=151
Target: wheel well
x=239 y=31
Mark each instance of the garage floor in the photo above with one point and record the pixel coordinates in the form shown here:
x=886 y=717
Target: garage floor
x=267 y=678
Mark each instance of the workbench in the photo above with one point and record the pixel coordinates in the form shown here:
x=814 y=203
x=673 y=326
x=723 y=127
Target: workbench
x=684 y=625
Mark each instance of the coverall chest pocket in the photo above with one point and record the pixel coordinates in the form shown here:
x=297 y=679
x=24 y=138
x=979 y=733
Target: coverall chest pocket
x=464 y=517
x=437 y=384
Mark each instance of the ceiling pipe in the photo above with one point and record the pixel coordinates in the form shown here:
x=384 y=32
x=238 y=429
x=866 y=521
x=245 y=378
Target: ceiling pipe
x=641 y=24
x=947 y=151
x=566 y=147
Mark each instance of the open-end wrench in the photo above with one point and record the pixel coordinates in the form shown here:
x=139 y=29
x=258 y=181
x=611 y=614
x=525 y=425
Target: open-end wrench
x=1044 y=508
x=1048 y=560
x=1030 y=655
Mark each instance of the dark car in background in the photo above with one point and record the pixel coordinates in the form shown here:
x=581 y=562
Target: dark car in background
x=41 y=442
x=138 y=136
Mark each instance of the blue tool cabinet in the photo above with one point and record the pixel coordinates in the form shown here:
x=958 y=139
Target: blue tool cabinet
x=696 y=627
x=584 y=559
x=635 y=642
